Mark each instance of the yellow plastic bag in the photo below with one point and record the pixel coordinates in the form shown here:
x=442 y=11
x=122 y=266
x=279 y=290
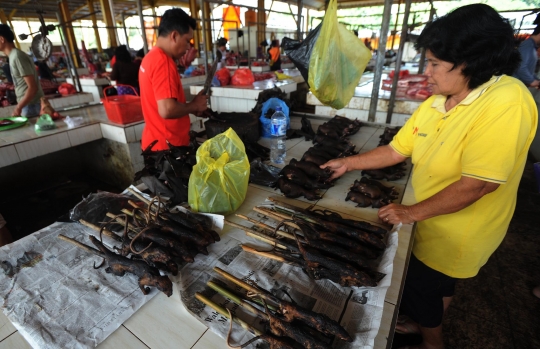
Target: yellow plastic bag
x=219 y=181
x=337 y=62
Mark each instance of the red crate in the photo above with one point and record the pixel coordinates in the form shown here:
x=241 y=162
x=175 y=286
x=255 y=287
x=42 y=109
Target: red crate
x=123 y=109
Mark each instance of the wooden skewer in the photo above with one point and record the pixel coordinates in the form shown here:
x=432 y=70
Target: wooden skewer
x=106 y=232
x=257 y=234
x=256 y=290
x=139 y=196
x=236 y=299
x=275 y=215
x=224 y=312
x=264 y=239
x=121 y=221
x=286 y=205
x=81 y=245
x=266 y=227
x=266 y=255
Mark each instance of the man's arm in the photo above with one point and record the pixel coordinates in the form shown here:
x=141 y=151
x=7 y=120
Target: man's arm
x=379 y=157
x=523 y=72
x=170 y=108
x=28 y=96
x=453 y=198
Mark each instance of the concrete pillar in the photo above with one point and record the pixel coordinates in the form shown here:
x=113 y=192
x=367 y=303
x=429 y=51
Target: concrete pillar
x=143 y=30
x=94 y=24
x=70 y=34
x=108 y=18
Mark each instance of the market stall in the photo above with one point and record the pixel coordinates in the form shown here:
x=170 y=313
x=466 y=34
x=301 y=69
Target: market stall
x=162 y=321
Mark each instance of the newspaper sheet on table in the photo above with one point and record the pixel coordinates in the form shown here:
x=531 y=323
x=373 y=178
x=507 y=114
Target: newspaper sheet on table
x=360 y=309
x=55 y=298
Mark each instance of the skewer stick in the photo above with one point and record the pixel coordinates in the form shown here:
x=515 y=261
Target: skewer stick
x=81 y=245
x=283 y=204
x=224 y=313
x=266 y=227
x=267 y=255
x=263 y=238
x=263 y=293
x=236 y=299
x=275 y=241
x=139 y=196
x=275 y=215
x=106 y=232
x=121 y=221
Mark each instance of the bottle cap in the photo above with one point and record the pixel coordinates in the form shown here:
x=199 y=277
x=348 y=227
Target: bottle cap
x=278 y=109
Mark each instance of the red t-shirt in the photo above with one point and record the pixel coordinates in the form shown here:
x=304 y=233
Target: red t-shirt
x=159 y=79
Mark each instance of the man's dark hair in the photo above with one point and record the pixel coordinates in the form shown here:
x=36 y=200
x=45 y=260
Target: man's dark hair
x=7 y=33
x=176 y=19
x=140 y=53
x=475 y=36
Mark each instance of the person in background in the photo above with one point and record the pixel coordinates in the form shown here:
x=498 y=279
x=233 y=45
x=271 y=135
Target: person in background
x=125 y=71
x=5 y=234
x=222 y=47
x=24 y=73
x=526 y=71
x=139 y=56
x=275 y=56
x=468 y=144
x=7 y=71
x=164 y=106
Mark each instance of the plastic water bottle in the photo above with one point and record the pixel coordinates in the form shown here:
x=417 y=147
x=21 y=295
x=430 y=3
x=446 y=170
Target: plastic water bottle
x=278 y=130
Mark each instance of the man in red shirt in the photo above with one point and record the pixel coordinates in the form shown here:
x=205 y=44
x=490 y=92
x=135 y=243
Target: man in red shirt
x=164 y=106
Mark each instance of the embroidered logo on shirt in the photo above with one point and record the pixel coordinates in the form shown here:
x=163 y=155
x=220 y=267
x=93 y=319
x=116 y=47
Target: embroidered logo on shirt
x=142 y=69
x=422 y=134
x=415 y=131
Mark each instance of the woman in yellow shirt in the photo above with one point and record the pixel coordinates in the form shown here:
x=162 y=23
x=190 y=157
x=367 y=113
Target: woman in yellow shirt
x=468 y=144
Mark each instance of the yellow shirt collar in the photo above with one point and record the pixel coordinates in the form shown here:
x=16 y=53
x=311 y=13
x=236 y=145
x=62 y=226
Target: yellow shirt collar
x=440 y=100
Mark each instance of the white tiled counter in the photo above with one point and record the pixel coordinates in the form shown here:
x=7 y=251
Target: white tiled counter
x=93 y=86
x=79 y=99
x=165 y=323
x=240 y=99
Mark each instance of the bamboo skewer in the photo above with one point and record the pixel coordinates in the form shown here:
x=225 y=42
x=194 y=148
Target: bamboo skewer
x=275 y=215
x=81 y=245
x=269 y=255
x=106 y=232
x=139 y=196
x=258 y=235
x=256 y=290
x=236 y=299
x=266 y=227
x=122 y=222
x=224 y=313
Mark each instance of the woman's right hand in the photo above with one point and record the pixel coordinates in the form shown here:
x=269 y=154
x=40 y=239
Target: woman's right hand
x=338 y=167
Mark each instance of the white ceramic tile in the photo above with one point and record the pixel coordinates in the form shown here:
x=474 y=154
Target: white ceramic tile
x=138 y=131
x=164 y=321
x=15 y=341
x=210 y=340
x=41 y=146
x=381 y=340
x=84 y=134
x=130 y=134
x=6 y=328
x=113 y=133
x=8 y=156
x=84 y=97
x=122 y=338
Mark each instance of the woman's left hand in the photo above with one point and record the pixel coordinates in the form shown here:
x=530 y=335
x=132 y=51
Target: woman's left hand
x=395 y=214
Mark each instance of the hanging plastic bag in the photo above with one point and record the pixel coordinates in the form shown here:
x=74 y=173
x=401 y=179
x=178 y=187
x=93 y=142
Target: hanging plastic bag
x=300 y=51
x=337 y=62
x=219 y=181
x=242 y=77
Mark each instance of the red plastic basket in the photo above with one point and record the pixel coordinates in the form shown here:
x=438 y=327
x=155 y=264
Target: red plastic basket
x=122 y=109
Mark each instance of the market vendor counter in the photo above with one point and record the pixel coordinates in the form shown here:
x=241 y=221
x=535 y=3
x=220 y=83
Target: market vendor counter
x=93 y=86
x=164 y=322
x=242 y=99
x=59 y=103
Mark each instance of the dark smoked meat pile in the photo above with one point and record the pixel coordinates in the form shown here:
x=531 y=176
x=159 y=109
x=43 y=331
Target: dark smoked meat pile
x=304 y=177
x=367 y=192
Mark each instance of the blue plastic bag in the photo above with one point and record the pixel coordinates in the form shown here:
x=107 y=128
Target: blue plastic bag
x=272 y=103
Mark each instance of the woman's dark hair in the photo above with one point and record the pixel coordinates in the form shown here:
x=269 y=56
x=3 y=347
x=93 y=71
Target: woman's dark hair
x=7 y=33
x=140 y=53
x=175 y=19
x=475 y=36
x=122 y=54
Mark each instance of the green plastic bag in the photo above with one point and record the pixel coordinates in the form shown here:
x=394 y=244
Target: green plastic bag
x=219 y=181
x=337 y=62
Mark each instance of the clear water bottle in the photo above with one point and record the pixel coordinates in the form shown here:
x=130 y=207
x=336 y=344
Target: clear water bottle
x=279 y=131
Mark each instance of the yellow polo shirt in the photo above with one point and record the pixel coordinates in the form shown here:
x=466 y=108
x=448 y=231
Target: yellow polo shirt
x=486 y=136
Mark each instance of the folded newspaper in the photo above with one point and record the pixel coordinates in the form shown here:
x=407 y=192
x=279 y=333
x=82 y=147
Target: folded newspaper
x=358 y=309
